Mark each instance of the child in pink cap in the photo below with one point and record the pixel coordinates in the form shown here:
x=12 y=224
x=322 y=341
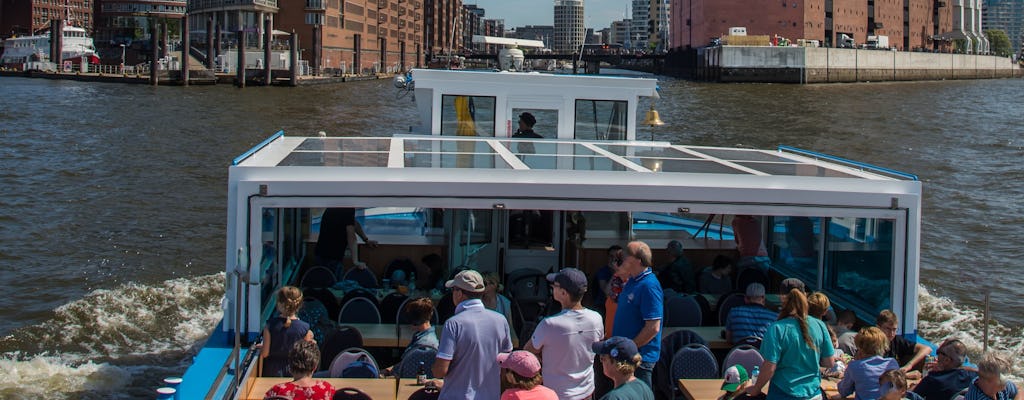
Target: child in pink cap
x=521 y=372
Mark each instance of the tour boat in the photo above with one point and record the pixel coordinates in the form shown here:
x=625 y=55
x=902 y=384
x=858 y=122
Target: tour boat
x=463 y=187
x=20 y=50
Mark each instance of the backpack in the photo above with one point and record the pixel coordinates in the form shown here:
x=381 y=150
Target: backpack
x=361 y=368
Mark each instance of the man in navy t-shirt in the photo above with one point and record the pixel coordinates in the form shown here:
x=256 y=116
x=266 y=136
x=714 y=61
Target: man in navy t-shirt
x=640 y=309
x=947 y=377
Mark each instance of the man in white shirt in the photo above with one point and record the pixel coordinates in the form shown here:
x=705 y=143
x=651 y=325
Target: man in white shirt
x=564 y=340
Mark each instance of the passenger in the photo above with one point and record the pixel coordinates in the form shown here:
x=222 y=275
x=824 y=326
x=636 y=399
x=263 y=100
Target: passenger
x=605 y=275
x=841 y=358
x=282 y=332
x=678 y=274
x=947 y=377
x=750 y=319
x=565 y=340
x=716 y=280
x=338 y=231
x=303 y=359
x=990 y=383
x=845 y=332
x=862 y=374
x=521 y=375
x=905 y=352
x=788 y=285
x=640 y=308
x=817 y=305
x=894 y=386
x=437 y=276
x=793 y=349
x=494 y=300
x=747 y=233
x=620 y=359
x=470 y=342
x=419 y=312
x=526 y=123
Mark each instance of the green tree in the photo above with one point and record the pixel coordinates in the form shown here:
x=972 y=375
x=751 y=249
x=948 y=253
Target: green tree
x=999 y=43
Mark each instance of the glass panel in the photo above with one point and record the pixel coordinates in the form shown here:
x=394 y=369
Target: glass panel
x=794 y=247
x=546 y=122
x=793 y=169
x=448 y=146
x=858 y=263
x=646 y=151
x=546 y=148
x=530 y=228
x=467 y=116
x=408 y=221
x=472 y=239
x=344 y=144
x=692 y=166
x=601 y=119
x=741 y=155
x=607 y=225
x=577 y=163
x=335 y=159
x=453 y=160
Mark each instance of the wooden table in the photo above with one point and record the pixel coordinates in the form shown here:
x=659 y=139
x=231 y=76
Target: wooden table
x=711 y=389
x=711 y=334
x=383 y=389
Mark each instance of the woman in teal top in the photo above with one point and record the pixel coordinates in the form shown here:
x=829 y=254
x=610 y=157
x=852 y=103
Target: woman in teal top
x=793 y=349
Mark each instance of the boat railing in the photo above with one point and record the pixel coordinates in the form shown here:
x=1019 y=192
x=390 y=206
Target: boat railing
x=852 y=163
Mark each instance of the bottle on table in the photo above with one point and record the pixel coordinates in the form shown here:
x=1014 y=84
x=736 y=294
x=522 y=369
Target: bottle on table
x=421 y=374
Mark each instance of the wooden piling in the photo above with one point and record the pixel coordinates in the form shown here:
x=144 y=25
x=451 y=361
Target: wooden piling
x=240 y=70
x=57 y=43
x=268 y=37
x=210 y=53
x=154 y=66
x=294 y=58
x=185 y=49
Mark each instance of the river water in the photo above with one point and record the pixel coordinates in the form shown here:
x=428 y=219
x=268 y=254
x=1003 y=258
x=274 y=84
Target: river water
x=112 y=202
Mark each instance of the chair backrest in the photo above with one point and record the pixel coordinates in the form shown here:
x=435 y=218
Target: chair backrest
x=318 y=277
x=347 y=357
x=391 y=307
x=707 y=317
x=359 y=310
x=748 y=276
x=364 y=277
x=753 y=341
x=350 y=393
x=527 y=285
x=360 y=292
x=745 y=355
x=682 y=311
x=694 y=361
x=345 y=337
x=409 y=366
x=426 y=393
x=726 y=303
x=327 y=298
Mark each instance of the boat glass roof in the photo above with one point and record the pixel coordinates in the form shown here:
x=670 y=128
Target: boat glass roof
x=409 y=151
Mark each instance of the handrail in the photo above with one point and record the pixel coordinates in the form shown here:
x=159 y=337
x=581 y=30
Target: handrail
x=847 y=161
x=257 y=147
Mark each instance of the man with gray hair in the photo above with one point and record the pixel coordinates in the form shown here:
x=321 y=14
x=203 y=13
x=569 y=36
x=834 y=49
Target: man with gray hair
x=678 y=274
x=750 y=319
x=948 y=376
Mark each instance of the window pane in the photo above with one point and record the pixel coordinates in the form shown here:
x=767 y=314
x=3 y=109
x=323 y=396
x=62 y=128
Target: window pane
x=601 y=119
x=794 y=247
x=467 y=116
x=547 y=121
x=858 y=265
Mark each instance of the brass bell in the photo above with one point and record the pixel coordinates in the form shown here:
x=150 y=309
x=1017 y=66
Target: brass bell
x=652 y=118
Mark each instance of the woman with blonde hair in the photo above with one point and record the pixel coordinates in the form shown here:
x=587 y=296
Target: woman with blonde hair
x=282 y=331
x=817 y=305
x=868 y=366
x=793 y=349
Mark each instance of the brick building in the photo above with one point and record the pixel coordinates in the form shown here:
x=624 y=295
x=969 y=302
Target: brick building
x=442 y=27
x=356 y=36
x=25 y=17
x=696 y=22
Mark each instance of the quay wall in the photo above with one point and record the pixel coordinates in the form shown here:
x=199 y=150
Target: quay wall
x=826 y=65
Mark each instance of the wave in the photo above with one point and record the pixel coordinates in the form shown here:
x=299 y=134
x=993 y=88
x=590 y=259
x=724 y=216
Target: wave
x=113 y=343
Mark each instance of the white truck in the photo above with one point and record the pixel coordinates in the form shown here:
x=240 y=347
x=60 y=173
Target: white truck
x=877 y=42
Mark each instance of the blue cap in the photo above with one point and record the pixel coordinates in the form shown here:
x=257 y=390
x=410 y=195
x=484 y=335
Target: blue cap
x=618 y=347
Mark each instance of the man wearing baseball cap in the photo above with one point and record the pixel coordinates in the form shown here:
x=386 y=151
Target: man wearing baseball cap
x=619 y=359
x=470 y=342
x=564 y=340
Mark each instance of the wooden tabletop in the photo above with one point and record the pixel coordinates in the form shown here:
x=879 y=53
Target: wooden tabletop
x=382 y=389
x=710 y=334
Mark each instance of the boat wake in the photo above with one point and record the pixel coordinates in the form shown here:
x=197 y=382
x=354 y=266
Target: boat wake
x=113 y=343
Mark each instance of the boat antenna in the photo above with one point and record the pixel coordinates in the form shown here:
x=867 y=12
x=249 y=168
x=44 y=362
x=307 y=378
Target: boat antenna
x=984 y=335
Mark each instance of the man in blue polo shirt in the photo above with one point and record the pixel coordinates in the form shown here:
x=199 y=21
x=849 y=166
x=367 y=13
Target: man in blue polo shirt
x=640 y=309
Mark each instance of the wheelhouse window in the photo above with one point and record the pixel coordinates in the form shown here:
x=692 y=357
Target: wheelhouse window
x=859 y=262
x=794 y=247
x=467 y=115
x=601 y=119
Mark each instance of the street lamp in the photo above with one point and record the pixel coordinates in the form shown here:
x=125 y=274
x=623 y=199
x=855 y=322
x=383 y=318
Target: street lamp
x=122 y=58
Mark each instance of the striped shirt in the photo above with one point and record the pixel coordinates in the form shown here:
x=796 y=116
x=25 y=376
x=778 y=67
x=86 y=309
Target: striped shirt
x=975 y=393
x=749 y=320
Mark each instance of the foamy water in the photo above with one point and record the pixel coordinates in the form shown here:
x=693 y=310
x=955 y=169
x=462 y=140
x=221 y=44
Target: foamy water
x=112 y=343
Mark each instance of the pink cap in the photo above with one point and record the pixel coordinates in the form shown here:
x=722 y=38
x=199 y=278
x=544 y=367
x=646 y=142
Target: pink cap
x=521 y=362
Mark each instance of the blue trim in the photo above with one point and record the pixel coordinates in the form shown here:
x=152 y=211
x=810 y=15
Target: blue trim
x=256 y=148
x=847 y=161
x=198 y=379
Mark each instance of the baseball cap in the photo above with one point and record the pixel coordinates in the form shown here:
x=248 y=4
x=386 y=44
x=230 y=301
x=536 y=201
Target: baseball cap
x=618 y=347
x=735 y=376
x=572 y=280
x=789 y=284
x=675 y=245
x=468 y=280
x=521 y=362
x=755 y=290
x=528 y=118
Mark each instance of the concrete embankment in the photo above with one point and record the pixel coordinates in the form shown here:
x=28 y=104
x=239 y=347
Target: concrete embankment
x=825 y=65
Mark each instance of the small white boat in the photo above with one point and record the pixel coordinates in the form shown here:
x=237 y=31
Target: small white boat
x=21 y=50
x=465 y=189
